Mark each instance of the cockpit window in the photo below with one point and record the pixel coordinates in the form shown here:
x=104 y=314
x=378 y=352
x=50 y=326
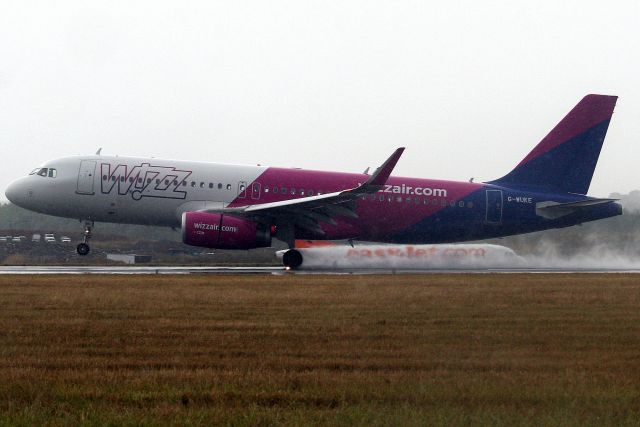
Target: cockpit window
x=46 y=172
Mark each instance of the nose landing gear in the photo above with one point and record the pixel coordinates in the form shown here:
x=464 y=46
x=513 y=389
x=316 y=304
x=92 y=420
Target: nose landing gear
x=83 y=248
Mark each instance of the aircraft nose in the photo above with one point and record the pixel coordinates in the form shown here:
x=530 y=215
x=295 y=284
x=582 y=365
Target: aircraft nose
x=16 y=192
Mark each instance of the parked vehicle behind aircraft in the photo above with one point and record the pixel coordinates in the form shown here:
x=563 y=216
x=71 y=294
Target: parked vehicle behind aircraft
x=399 y=257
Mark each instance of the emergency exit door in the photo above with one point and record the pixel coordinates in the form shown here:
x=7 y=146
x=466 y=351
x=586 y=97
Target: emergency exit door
x=255 y=191
x=242 y=189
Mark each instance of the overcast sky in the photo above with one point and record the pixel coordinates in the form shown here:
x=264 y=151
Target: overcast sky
x=468 y=87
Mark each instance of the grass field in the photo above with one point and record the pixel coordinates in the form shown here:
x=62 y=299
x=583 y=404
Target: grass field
x=320 y=350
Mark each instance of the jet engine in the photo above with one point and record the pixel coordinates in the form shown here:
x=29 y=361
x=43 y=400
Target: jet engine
x=221 y=231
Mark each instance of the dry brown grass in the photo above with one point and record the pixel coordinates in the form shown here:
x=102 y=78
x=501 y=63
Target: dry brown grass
x=322 y=350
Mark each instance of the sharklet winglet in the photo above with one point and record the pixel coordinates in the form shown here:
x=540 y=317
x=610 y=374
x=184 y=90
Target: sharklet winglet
x=381 y=175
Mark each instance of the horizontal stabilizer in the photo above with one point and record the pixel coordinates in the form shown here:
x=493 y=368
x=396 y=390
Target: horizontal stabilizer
x=553 y=210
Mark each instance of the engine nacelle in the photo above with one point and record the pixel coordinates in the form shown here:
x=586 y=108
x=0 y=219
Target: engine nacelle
x=223 y=231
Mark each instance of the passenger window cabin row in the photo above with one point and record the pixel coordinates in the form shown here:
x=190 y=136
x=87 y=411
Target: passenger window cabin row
x=418 y=200
x=292 y=191
x=167 y=182
x=279 y=190
x=377 y=197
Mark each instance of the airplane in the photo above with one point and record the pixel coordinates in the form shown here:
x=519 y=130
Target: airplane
x=329 y=255
x=242 y=206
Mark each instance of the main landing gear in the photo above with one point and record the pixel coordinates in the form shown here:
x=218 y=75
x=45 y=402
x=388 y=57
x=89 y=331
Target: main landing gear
x=292 y=259
x=83 y=248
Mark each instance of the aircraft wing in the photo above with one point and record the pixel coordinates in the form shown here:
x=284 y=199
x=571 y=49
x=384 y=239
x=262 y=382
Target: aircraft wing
x=308 y=212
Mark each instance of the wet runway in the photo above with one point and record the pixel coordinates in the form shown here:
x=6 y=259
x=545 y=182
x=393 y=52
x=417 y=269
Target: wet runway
x=5 y=270
x=36 y=269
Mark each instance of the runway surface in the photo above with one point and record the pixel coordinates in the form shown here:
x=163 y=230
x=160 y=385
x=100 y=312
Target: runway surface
x=35 y=269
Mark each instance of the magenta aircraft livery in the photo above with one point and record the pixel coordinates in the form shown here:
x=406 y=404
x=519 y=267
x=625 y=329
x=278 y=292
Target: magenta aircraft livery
x=243 y=207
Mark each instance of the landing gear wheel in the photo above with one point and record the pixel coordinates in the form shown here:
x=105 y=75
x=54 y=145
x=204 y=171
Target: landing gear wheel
x=292 y=259
x=83 y=249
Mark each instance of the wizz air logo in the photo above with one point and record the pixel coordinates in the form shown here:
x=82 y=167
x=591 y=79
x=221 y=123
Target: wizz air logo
x=144 y=180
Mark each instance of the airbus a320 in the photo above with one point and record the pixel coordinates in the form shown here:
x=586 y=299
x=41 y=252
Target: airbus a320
x=243 y=207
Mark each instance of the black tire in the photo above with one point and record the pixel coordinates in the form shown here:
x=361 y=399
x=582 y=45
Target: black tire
x=292 y=259
x=83 y=249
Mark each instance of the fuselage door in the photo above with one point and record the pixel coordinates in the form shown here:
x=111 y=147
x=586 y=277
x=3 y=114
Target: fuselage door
x=255 y=191
x=494 y=206
x=86 y=176
x=242 y=190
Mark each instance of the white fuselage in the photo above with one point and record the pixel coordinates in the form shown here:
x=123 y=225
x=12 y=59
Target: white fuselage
x=131 y=190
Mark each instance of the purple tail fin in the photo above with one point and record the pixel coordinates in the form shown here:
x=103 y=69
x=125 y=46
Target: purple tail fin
x=565 y=159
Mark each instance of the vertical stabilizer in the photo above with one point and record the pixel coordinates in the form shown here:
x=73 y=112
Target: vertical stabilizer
x=564 y=161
